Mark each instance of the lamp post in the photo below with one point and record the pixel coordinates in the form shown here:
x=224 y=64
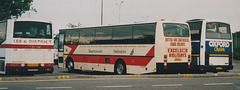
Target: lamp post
x=102 y=12
x=119 y=14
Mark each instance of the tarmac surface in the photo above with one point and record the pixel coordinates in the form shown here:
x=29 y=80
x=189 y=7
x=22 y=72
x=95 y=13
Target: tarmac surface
x=63 y=74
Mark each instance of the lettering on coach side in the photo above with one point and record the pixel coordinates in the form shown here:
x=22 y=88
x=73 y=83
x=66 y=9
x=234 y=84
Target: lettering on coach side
x=219 y=46
x=94 y=51
x=119 y=51
x=177 y=41
x=219 y=43
x=177 y=52
x=32 y=41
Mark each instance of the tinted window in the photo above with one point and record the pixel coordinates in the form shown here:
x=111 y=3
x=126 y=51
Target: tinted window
x=87 y=36
x=61 y=41
x=216 y=30
x=144 y=34
x=175 y=30
x=122 y=35
x=122 y=32
x=3 y=29
x=72 y=37
x=56 y=38
x=103 y=35
x=195 y=28
x=32 y=30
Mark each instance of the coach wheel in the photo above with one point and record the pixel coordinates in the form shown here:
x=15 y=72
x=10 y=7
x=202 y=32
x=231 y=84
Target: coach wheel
x=70 y=66
x=120 y=68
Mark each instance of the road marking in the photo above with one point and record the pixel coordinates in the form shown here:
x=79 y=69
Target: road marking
x=53 y=87
x=216 y=84
x=1 y=88
x=115 y=86
x=168 y=85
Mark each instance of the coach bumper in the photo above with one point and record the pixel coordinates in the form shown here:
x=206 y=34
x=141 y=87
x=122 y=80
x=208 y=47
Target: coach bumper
x=29 y=69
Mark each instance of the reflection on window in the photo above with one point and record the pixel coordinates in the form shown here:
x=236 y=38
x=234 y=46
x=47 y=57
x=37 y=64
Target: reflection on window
x=61 y=41
x=175 y=30
x=86 y=36
x=71 y=37
x=3 y=28
x=26 y=29
x=122 y=32
x=129 y=34
x=56 y=38
x=144 y=34
x=103 y=34
x=215 y=30
x=195 y=28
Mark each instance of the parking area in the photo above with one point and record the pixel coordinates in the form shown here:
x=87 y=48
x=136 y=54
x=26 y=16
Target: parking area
x=60 y=71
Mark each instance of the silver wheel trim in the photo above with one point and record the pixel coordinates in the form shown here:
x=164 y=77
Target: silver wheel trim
x=70 y=65
x=120 y=68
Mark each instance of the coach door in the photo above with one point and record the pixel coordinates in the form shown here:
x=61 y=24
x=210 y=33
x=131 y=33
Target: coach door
x=197 y=46
x=60 y=51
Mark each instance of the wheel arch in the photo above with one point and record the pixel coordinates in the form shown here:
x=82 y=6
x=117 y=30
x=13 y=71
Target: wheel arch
x=120 y=60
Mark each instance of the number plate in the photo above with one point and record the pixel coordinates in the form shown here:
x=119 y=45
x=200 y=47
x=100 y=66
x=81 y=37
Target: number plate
x=177 y=59
x=32 y=65
x=219 y=68
x=32 y=69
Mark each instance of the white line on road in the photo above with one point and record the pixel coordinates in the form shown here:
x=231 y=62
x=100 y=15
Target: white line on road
x=115 y=86
x=1 y=88
x=216 y=84
x=168 y=85
x=53 y=87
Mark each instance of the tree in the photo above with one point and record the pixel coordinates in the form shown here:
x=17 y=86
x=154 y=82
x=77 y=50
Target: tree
x=72 y=25
x=14 y=8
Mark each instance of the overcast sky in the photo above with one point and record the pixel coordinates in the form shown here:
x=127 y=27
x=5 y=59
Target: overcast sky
x=88 y=12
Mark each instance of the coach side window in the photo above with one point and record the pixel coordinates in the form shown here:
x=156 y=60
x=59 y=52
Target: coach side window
x=144 y=34
x=71 y=37
x=122 y=35
x=103 y=35
x=3 y=28
x=86 y=36
x=68 y=37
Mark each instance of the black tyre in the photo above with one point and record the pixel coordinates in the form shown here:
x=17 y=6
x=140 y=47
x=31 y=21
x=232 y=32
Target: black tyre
x=70 y=66
x=120 y=68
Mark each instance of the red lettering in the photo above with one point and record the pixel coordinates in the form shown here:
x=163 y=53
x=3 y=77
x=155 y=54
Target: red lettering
x=172 y=44
x=175 y=40
x=177 y=50
x=177 y=55
x=168 y=39
x=17 y=41
x=25 y=41
x=180 y=44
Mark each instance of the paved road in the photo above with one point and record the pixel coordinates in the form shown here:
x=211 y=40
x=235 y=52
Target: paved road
x=128 y=84
x=60 y=71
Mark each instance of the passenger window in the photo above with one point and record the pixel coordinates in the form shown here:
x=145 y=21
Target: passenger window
x=87 y=36
x=3 y=29
x=122 y=34
x=144 y=34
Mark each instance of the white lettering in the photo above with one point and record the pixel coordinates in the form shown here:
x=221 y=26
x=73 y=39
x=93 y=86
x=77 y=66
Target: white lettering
x=219 y=43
